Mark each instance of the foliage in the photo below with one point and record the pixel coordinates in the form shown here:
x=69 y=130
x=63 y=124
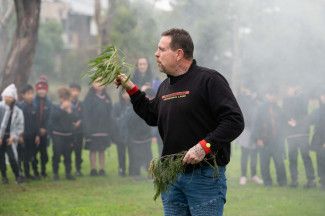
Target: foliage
x=107 y=66
x=166 y=169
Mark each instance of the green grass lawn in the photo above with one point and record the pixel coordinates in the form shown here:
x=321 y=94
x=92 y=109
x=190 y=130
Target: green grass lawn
x=112 y=195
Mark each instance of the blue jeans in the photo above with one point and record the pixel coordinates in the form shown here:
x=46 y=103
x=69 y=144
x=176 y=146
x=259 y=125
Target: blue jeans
x=197 y=193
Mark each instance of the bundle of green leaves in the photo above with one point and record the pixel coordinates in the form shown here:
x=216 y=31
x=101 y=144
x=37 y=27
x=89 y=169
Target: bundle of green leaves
x=107 y=66
x=166 y=169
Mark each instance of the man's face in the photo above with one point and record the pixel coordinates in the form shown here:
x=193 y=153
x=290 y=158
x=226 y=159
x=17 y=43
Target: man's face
x=166 y=58
x=41 y=93
x=28 y=96
x=75 y=92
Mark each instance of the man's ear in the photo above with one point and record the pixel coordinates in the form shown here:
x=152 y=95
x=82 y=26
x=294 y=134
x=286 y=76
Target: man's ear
x=179 y=54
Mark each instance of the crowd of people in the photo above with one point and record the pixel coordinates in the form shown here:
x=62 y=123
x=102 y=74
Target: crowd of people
x=279 y=126
x=272 y=123
x=72 y=125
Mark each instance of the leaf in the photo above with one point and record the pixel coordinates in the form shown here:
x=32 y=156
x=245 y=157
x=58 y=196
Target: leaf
x=107 y=66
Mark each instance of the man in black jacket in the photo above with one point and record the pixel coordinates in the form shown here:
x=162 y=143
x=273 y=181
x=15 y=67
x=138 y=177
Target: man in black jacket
x=195 y=111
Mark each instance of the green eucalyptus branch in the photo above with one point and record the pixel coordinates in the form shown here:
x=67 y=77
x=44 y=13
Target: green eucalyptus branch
x=166 y=169
x=107 y=66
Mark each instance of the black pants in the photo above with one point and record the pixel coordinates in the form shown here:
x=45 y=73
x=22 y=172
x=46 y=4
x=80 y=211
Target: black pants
x=29 y=155
x=295 y=145
x=20 y=151
x=11 y=151
x=62 y=145
x=247 y=153
x=139 y=155
x=77 y=148
x=42 y=150
x=267 y=152
x=121 y=154
x=321 y=165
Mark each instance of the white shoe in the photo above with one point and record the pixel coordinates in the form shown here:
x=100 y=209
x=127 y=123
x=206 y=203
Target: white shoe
x=242 y=180
x=257 y=180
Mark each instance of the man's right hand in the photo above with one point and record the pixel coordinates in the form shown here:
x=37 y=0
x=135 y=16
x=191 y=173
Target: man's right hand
x=121 y=81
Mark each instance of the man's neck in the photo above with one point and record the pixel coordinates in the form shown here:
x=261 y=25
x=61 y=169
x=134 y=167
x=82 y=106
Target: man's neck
x=182 y=67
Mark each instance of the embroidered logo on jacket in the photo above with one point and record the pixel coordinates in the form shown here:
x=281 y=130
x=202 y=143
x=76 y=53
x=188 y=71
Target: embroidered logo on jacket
x=175 y=95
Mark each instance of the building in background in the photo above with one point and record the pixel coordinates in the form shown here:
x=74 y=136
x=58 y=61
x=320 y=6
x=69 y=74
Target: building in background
x=76 y=17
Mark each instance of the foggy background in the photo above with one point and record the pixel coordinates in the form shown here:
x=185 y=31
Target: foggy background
x=253 y=42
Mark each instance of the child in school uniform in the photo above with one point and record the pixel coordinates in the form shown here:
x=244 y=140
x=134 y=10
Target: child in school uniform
x=75 y=90
x=12 y=126
x=43 y=108
x=31 y=137
x=61 y=128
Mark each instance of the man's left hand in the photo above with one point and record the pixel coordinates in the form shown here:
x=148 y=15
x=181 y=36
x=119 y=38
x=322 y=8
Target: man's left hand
x=195 y=155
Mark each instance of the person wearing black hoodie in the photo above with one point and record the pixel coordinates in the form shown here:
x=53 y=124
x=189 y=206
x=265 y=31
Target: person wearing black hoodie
x=318 y=141
x=31 y=131
x=97 y=124
x=61 y=128
x=196 y=112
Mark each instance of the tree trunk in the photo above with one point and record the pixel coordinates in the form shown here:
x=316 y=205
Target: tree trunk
x=18 y=64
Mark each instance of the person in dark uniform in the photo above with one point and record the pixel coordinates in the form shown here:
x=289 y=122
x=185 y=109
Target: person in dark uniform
x=75 y=90
x=61 y=128
x=31 y=138
x=121 y=113
x=97 y=124
x=295 y=108
x=139 y=147
x=269 y=137
x=318 y=141
x=43 y=109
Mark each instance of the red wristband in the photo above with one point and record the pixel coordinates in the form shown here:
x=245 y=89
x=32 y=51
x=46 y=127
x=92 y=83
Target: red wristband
x=206 y=146
x=133 y=90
